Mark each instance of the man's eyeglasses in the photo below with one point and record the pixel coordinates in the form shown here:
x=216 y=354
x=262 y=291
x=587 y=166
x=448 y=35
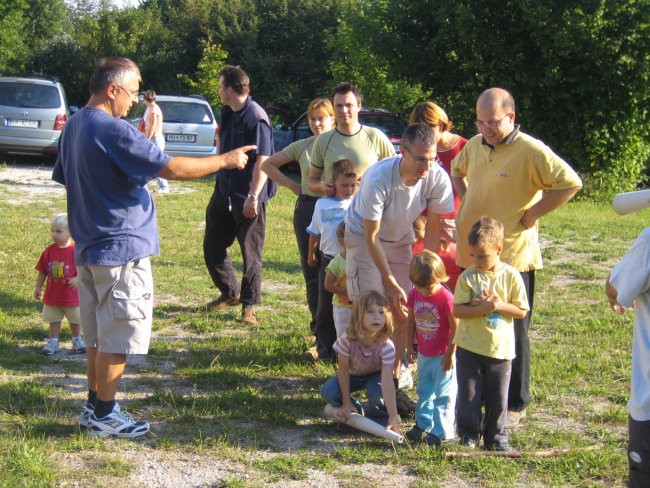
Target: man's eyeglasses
x=489 y=125
x=131 y=93
x=422 y=160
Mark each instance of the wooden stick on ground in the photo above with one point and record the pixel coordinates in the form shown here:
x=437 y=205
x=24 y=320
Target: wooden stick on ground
x=520 y=454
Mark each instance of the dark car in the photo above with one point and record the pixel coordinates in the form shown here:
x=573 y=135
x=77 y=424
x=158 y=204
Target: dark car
x=386 y=121
x=33 y=112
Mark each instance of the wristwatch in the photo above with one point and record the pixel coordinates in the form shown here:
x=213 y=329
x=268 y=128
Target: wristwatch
x=251 y=197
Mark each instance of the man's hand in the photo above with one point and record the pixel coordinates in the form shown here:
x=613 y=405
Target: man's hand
x=37 y=292
x=237 y=158
x=250 y=208
x=73 y=282
x=396 y=297
x=528 y=220
x=612 y=297
x=312 y=260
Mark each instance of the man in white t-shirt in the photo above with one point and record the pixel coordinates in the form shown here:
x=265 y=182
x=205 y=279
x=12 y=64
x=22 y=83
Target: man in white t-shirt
x=379 y=223
x=629 y=286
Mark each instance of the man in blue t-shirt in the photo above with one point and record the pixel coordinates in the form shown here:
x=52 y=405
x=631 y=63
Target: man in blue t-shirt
x=237 y=209
x=105 y=165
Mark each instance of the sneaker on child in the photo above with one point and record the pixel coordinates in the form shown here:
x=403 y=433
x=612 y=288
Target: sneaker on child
x=415 y=434
x=78 y=345
x=116 y=424
x=51 y=347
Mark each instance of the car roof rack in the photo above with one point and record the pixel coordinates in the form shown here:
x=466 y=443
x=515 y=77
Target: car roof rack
x=31 y=75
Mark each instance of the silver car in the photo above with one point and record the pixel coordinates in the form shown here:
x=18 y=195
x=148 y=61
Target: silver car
x=189 y=126
x=33 y=111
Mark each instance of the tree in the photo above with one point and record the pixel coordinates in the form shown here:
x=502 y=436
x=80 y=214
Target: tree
x=578 y=70
x=12 y=48
x=207 y=73
x=381 y=78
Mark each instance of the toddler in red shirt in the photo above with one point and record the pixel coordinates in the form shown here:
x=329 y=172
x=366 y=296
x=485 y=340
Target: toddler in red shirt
x=56 y=269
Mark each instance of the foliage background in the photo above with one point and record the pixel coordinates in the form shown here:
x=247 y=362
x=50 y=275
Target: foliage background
x=579 y=69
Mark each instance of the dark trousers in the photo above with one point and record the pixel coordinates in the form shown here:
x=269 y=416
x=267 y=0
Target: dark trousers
x=222 y=227
x=482 y=379
x=519 y=391
x=638 y=453
x=302 y=214
x=325 y=330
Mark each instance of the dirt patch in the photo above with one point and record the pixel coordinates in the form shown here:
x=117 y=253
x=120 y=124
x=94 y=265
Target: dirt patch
x=28 y=183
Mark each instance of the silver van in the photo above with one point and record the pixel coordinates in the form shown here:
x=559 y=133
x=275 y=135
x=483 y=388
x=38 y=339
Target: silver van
x=189 y=126
x=33 y=112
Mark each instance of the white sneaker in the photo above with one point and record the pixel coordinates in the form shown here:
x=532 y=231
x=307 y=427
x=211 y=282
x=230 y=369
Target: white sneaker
x=78 y=345
x=86 y=411
x=116 y=424
x=51 y=347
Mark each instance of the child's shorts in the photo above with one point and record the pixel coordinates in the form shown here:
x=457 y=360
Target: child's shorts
x=56 y=314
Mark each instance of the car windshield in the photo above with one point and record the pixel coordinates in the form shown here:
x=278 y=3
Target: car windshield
x=184 y=112
x=29 y=95
x=388 y=125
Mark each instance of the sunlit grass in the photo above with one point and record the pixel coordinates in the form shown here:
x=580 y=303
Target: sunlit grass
x=214 y=386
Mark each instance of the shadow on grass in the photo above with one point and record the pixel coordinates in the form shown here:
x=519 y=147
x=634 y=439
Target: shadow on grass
x=16 y=306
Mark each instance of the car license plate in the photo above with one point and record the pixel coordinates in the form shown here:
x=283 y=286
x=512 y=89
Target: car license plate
x=32 y=124
x=180 y=138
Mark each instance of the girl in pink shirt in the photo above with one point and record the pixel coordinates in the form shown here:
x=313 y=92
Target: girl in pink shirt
x=366 y=357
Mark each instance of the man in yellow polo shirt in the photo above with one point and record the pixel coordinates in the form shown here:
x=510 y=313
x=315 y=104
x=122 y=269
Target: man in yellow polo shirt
x=510 y=176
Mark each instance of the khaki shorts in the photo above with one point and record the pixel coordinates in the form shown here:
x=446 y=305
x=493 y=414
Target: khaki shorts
x=52 y=313
x=117 y=306
x=363 y=275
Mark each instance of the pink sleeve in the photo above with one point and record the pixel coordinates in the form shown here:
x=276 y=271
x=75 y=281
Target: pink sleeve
x=342 y=346
x=387 y=353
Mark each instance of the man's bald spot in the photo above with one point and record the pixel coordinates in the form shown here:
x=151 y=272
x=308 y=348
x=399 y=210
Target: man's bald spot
x=497 y=97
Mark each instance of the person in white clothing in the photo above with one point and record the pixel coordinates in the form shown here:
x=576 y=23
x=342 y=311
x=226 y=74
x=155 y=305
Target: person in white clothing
x=379 y=227
x=153 y=120
x=627 y=286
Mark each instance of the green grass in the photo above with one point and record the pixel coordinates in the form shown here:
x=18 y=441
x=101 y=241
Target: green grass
x=222 y=390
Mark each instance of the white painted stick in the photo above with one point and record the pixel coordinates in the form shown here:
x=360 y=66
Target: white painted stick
x=624 y=203
x=364 y=424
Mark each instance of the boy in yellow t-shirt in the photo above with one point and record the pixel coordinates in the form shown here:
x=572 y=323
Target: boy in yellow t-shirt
x=335 y=283
x=488 y=296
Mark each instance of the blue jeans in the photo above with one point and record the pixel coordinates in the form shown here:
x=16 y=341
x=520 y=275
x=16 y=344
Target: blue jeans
x=437 y=389
x=331 y=393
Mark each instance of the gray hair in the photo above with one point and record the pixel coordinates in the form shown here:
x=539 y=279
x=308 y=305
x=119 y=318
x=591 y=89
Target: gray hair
x=113 y=70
